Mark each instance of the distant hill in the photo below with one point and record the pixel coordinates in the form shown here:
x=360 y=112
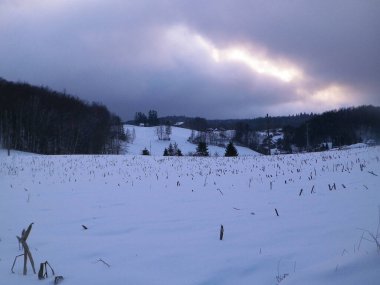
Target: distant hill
x=336 y=128
x=345 y=126
x=257 y=124
x=146 y=138
x=262 y=123
x=302 y=132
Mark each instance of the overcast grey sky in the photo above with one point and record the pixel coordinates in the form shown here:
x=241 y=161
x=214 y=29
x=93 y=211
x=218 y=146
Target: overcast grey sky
x=214 y=58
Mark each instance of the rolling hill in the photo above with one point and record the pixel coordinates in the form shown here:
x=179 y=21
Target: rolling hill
x=146 y=138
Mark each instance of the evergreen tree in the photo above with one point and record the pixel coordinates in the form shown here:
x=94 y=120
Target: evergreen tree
x=140 y=118
x=231 y=150
x=145 y=152
x=202 y=149
x=166 y=153
x=176 y=150
x=153 y=118
x=171 y=150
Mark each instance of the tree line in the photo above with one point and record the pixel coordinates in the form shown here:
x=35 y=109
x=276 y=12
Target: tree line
x=147 y=120
x=341 y=127
x=39 y=120
x=314 y=132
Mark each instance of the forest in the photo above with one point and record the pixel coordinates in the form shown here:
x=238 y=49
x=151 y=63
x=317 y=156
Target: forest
x=39 y=120
x=341 y=127
x=314 y=132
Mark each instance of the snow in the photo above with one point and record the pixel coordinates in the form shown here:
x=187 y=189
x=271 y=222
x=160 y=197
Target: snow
x=357 y=145
x=146 y=138
x=156 y=220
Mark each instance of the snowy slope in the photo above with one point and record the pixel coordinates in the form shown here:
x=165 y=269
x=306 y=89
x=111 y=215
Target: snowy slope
x=156 y=220
x=146 y=138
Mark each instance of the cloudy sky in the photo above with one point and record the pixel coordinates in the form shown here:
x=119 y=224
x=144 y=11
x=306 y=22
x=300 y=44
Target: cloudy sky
x=214 y=58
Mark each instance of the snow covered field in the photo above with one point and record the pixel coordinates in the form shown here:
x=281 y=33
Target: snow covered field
x=146 y=138
x=156 y=220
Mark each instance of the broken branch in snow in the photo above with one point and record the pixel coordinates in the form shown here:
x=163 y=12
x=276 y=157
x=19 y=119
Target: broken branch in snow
x=360 y=242
x=58 y=279
x=105 y=263
x=26 y=254
x=43 y=272
x=373 y=238
x=14 y=262
x=332 y=187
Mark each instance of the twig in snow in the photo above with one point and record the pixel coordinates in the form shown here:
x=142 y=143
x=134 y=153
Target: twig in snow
x=205 y=183
x=360 y=242
x=58 y=279
x=374 y=238
x=14 y=262
x=105 y=263
x=281 y=277
x=43 y=272
x=27 y=254
x=336 y=268
x=332 y=187
x=378 y=225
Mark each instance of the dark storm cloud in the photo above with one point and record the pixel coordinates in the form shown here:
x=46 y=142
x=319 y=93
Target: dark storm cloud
x=141 y=55
x=335 y=41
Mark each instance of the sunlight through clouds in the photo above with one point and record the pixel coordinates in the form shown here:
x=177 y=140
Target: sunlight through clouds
x=334 y=94
x=308 y=91
x=257 y=62
x=261 y=65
